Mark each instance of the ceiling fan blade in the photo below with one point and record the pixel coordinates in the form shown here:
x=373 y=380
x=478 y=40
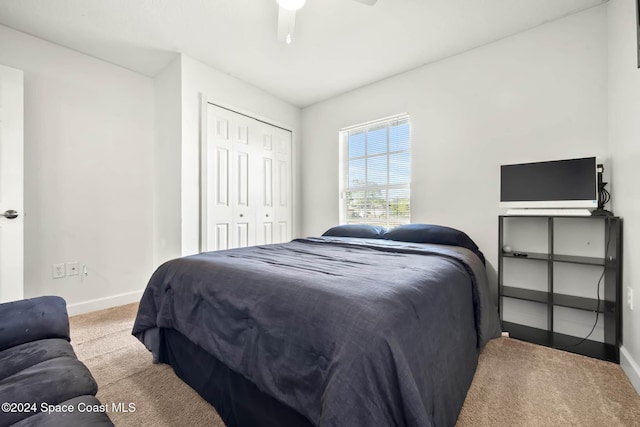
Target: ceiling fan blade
x=286 y=25
x=367 y=2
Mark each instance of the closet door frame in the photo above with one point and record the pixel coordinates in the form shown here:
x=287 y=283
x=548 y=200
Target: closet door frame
x=203 y=183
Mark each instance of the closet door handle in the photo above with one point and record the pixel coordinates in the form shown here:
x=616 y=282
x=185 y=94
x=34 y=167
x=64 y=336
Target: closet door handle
x=267 y=215
x=241 y=215
x=10 y=214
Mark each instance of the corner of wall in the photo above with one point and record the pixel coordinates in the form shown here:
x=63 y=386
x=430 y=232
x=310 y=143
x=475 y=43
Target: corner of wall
x=167 y=162
x=623 y=107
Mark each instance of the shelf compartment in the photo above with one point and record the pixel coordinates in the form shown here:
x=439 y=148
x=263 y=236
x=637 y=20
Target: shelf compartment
x=526 y=312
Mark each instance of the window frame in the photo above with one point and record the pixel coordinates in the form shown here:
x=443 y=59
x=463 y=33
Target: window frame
x=344 y=167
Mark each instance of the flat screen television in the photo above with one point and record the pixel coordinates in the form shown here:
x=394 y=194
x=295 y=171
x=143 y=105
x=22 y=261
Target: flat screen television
x=558 y=184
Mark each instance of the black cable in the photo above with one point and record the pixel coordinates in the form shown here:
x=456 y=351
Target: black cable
x=597 y=316
x=606 y=251
x=604 y=196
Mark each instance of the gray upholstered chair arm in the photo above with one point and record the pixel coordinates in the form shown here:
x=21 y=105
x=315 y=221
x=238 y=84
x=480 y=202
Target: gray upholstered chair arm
x=33 y=319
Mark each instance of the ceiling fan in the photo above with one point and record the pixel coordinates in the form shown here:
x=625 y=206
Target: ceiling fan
x=287 y=17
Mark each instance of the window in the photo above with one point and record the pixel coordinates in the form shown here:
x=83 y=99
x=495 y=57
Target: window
x=377 y=172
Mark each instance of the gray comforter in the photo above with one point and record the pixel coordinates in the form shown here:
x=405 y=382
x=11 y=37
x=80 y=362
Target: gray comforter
x=349 y=332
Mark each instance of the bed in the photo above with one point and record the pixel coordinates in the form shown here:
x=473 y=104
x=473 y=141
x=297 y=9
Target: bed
x=330 y=331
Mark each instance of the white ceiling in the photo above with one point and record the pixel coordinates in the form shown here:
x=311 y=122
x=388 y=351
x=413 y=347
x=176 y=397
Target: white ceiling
x=339 y=45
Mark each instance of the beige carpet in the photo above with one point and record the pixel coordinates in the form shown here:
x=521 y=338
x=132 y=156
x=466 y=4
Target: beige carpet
x=123 y=370
x=516 y=384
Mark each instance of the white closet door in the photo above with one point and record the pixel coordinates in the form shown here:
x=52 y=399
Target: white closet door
x=219 y=200
x=242 y=188
x=266 y=185
x=283 y=205
x=246 y=162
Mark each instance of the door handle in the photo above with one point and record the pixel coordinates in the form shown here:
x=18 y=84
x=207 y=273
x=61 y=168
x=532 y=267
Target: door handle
x=10 y=214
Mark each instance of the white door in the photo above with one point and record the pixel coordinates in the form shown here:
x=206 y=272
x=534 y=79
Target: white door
x=244 y=174
x=11 y=184
x=283 y=205
x=229 y=164
x=273 y=184
x=265 y=166
x=217 y=182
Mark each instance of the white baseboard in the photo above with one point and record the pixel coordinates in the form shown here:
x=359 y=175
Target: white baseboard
x=630 y=367
x=102 y=303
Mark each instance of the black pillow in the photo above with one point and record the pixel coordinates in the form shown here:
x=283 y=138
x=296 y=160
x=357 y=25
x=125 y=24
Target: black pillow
x=429 y=233
x=356 y=230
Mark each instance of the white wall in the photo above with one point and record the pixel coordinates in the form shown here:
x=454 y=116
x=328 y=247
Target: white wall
x=538 y=95
x=624 y=146
x=225 y=90
x=89 y=130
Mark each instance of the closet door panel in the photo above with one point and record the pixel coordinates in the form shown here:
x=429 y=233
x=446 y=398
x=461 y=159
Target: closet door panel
x=222 y=236
x=242 y=234
x=242 y=182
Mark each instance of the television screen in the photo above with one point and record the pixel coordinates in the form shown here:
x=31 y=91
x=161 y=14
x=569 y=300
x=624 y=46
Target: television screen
x=554 y=184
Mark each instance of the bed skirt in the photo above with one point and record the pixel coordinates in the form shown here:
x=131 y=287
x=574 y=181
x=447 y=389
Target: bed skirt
x=238 y=401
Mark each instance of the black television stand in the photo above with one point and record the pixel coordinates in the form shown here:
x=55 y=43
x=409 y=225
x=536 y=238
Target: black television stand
x=548 y=283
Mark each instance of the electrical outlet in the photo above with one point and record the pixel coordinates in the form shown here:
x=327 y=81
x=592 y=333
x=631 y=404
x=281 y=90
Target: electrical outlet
x=73 y=268
x=630 y=297
x=58 y=271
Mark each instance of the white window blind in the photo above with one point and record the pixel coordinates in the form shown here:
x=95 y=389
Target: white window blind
x=377 y=172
